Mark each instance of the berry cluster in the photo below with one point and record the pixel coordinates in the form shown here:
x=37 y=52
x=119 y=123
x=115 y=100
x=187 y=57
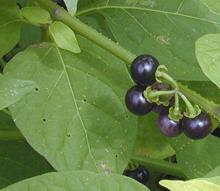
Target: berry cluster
x=195 y=125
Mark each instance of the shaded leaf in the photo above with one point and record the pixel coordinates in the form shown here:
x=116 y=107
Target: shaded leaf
x=19 y=161
x=64 y=37
x=10 y=25
x=12 y=90
x=36 y=15
x=78 y=180
x=77 y=116
x=208 y=55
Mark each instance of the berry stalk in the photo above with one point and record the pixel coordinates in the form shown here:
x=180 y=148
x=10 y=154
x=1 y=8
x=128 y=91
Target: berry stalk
x=160 y=165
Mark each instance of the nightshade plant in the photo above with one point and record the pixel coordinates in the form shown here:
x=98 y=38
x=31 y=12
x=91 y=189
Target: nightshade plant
x=75 y=73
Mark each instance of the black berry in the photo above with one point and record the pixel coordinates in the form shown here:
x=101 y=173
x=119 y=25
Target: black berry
x=141 y=174
x=167 y=126
x=60 y=3
x=143 y=70
x=136 y=102
x=198 y=127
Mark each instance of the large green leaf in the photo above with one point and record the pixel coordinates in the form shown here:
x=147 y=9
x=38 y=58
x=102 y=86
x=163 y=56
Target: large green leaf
x=10 y=25
x=212 y=184
x=165 y=29
x=78 y=180
x=150 y=142
x=197 y=158
x=11 y=90
x=208 y=55
x=213 y=5
x=76 y=118
x=19 y=161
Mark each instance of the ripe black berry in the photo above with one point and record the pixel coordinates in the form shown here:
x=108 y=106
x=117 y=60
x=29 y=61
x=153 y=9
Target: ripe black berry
x=136 y=102
x=143 y=70
x=197 y=128
x=141 y=174
x=167 y=126
x=60 y=3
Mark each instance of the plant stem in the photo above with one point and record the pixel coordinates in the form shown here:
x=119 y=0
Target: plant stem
x=7 y=135
x=160 y=166
x=207 y=105
x=167 y=78
x=154 y=93
x=61 y=15
x=189 y=106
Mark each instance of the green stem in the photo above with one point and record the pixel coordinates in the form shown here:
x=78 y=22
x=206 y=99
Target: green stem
x=160 y=166
x=168 y=79
x=61 y=15
x=176 y=108
x=154 y=93
x=207 y=105
x=189 y=106
x=7 y=135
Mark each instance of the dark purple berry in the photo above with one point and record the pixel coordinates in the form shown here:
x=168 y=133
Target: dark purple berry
x=167 y=126
x=136 y=102
x=141 y=174
x=198 y=127
x=143 y=70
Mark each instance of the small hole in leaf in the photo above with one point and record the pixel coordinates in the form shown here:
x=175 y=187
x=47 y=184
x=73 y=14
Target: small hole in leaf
x=44 y=120
x=116 y=156
x=84 y=100
x=36 y=89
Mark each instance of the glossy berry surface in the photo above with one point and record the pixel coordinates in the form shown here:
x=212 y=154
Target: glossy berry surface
x=167 y=126
x=141 y=174
x=143 y=70
x=198 y=127
x=136 y=102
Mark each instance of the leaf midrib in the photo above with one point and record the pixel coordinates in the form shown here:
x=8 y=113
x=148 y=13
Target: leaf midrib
x=92 y=9
x=77 y=109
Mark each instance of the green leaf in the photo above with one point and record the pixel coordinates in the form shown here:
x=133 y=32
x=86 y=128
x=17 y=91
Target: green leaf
x=71 y=6
x=10 y=25
x=213 y=5
x=64 y=119
x=12 y=90
x=213 y=173
x=192 y=185
x=36 y=15
x=78 y=180
x=197 y=158
x=166 y=29
x=150 y=142
x=64 y=37
x=19 y=161
x=208 y=55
